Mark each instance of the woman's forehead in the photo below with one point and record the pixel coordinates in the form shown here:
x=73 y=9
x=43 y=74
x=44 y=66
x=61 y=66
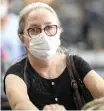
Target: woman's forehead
x=41 y=17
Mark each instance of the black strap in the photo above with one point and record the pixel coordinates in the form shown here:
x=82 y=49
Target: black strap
x=73 y=68
x=74 y=85
x=85 y=94
x=79 y=81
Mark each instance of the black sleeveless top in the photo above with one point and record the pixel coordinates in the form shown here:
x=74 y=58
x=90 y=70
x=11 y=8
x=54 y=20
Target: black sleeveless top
x=43 y=91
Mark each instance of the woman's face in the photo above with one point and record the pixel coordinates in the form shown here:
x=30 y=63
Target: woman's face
x=39 y=18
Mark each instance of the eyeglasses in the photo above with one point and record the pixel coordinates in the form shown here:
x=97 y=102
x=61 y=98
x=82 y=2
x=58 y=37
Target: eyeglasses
x=49 y=30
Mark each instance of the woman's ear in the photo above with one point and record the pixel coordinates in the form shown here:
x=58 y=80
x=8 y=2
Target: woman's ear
x=22 y=38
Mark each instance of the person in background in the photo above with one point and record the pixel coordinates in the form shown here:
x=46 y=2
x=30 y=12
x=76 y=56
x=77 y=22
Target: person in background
x=41 y=80
x=8 y=31
x=11 y=47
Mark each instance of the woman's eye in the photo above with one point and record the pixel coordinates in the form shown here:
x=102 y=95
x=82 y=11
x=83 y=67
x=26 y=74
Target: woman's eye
x=49 y=27
x=34 y=31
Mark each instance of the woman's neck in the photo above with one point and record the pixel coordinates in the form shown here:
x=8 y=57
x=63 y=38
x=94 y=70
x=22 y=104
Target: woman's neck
x=37 y=63
x=50 y=68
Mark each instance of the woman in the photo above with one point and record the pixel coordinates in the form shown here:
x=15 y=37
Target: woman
x=46 y=84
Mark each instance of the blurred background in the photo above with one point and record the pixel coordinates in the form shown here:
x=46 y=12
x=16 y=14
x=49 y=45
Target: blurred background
x=83 y=24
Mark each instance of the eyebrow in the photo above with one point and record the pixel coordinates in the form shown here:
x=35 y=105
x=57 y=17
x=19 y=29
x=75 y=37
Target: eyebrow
x=46 y=23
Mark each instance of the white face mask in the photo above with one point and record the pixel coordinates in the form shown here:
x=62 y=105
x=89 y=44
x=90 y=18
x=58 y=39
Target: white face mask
x=44 y=47
x=3 y=10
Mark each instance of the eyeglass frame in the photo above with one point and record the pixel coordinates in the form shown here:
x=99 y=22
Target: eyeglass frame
x=44 y=30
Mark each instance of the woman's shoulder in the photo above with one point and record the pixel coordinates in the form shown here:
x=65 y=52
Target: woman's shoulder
x=78 y=60
x=17 y=68
x=82 y=66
